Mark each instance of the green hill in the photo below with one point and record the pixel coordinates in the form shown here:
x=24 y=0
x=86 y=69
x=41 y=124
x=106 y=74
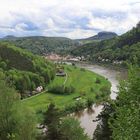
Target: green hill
x=23 y=70
x=41 y=45
x=117 y=50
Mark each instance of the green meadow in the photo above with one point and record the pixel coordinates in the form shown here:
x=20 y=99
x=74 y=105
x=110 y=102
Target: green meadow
x=84 y=82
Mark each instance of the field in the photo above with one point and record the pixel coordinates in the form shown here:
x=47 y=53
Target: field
x=82 y=80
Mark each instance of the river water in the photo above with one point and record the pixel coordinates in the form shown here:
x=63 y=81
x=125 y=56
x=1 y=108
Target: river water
x=87 y=116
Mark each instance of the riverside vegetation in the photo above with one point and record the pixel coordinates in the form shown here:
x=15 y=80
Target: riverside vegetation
x=85 y=88
x=18 y=79
x=18 y=119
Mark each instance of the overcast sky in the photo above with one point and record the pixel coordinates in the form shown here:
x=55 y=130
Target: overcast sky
x=68 y=18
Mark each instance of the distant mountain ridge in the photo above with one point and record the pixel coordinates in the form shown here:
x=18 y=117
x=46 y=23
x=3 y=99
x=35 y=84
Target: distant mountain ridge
x=41 y=44
x=102 y=36
x=9 y=37
x=44 y=45
x=118 y=50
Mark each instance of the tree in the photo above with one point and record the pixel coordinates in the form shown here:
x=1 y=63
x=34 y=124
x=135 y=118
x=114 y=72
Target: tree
x=16 y=122
x=103 y=131
x=125 y=123
x=52 y=120
x=26 y=129
x=62 y=129
x=71 y=130
x=7 y=100
x=120 y=119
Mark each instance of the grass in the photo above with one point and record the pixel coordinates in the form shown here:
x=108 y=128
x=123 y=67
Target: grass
x=82 y=80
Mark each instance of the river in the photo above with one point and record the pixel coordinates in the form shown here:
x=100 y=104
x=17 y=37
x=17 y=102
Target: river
x=86 y=117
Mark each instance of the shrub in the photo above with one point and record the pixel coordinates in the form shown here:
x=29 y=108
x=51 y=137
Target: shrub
x=97 y=97
x=69 y=69
x=98 y=81
x=75 y=107
x=89 y=102
x=79 y=105
x=57 y=89
x=92 y=89
x=105 y=90
x=82 y=69
x=61 y=89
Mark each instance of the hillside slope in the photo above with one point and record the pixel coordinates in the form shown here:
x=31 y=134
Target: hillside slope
x=102 y=36
x=116 y=50
x=41 y=45
x=23 y=70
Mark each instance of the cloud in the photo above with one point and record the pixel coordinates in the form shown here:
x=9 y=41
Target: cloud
x=69 y=18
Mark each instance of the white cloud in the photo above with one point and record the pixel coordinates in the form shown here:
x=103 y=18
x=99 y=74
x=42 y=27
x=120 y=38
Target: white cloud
x=70 y=18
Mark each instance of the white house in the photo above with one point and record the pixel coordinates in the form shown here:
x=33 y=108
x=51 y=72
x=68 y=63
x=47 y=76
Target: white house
x=39 y=89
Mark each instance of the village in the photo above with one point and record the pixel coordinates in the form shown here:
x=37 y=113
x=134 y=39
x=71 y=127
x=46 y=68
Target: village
x=57 y=57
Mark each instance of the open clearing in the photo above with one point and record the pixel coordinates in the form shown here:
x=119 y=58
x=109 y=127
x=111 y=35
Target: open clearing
x=82 y=80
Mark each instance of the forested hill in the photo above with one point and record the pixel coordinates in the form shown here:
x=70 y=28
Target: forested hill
x=40 y=44
x=23 y=70
x=116 y=50
x=101 y=36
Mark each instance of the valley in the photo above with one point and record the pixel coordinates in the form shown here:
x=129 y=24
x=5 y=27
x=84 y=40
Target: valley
x=61 y=82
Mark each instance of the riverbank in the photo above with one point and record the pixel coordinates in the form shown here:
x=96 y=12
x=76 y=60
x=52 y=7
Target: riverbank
x=86 y=84
x=113 y=76
x=86 y=116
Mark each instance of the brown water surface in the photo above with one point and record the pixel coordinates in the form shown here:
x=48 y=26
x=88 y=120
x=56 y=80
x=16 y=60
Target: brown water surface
x=86 y=116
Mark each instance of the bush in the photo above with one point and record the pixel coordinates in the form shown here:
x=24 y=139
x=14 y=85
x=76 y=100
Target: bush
x=90 y=102
x=69 y=69
x=75 y=107
x=79 y=105
x=97 y=97
x=98 y=81
x=82 y=69
x=92 y=89
x=69 y=89
x=105 y=90
x=60 y=89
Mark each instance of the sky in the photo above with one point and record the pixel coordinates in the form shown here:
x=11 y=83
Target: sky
x=67 y=18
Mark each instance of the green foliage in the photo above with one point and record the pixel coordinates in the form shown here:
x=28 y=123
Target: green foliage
x=26 y=124
x=8 y=99
x=41 y=45
x=64 y=128
x=82 y=69
x=75 y=106
x=51 y=115
x=125 y=122
x=116 y=51
x=120 y=119
x=61 y=89
x=90 y=102
x=103 y=131
x=98 y=81
x=105 y=90
x=70 y=130
x=23 y=69
x=82 y=84
x=52 y=120
x=16 y=122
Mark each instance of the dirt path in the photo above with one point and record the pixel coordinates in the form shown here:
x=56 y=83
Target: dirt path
x=65 y=79
x=34 y=95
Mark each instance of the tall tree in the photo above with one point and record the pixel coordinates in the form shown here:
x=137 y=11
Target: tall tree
x=103 y=131
x=71 y=130
x=52 y=120
x=16 y=122
x=126 y=123
x=8 y=98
